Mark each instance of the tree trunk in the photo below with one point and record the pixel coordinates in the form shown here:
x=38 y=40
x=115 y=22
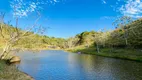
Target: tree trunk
x=126 y=41
x=111 y=49
x=126 y=36
x=98 y=50
x=5 y=51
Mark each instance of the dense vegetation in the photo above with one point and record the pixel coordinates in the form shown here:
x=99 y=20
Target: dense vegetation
x=31 y=40
x=123 y=42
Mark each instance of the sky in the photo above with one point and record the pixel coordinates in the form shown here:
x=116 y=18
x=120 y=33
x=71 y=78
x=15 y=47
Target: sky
x=66 y=18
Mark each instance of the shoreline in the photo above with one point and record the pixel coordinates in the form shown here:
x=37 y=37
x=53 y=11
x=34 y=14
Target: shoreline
x=27 y=75
x=10 y=72
x=104 y=54
x=109 y=55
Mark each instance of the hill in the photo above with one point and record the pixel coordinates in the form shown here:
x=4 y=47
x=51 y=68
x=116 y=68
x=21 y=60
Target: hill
x=123 y=42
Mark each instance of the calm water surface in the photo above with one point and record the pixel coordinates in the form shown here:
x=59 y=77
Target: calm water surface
x=60 y=65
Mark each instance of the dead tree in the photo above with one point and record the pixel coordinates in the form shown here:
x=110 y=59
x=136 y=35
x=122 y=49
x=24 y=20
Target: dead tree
x=13 y=35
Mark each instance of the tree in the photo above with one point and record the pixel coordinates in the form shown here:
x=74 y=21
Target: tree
x=98 y=40
x=104 y=38
x=135 y=33
x=72 y=42
x=14 y=35
x=122 y=23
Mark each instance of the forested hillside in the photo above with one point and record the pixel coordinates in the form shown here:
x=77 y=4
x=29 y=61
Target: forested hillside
x=116 y=38
x=30 y=40
x=123 y=42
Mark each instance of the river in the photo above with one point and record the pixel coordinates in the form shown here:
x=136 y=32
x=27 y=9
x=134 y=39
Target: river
x=60 y=65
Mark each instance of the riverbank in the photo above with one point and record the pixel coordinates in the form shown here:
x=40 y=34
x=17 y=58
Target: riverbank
x=10 y=72
x=129 y=54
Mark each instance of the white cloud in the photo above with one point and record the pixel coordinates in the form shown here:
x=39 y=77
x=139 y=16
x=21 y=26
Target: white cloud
x=104 y=2
x=21 y=8
x=55 y=0
x=132 y=8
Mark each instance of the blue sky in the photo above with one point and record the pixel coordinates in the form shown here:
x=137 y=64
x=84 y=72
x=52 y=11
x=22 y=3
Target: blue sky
x=67 y=18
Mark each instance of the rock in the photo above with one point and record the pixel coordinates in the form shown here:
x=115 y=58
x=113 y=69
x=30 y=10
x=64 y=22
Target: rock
x=15 y=59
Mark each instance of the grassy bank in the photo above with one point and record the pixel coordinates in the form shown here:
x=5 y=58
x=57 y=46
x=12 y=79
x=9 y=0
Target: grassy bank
x=10 y=72
x=130 y=54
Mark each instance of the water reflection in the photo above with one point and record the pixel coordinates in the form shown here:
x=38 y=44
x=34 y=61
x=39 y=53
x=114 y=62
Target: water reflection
x=59 y=65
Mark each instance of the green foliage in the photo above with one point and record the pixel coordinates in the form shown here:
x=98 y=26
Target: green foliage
x=86 y=37
x=123 y=42
x=128 y=34
x=30 y=40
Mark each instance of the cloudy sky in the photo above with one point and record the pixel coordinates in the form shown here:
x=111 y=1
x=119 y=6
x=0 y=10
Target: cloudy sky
x=69 y=17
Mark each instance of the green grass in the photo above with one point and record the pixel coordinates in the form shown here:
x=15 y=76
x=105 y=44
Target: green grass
x=10 y=72
x=130 y=54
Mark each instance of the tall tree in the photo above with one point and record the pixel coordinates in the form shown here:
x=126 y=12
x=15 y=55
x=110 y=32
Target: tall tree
x=122 y=23
x=14 y=35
